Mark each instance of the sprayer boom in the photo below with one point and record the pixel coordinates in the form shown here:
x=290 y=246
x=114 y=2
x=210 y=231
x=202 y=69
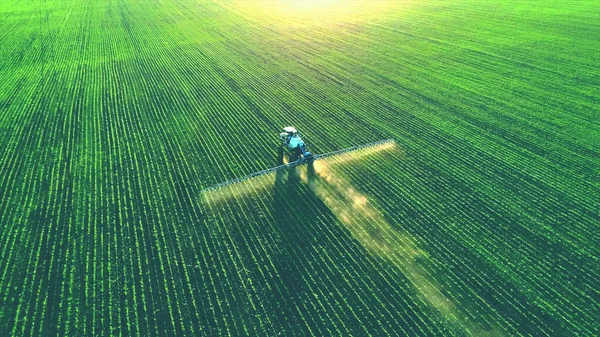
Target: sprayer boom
x=297 y=163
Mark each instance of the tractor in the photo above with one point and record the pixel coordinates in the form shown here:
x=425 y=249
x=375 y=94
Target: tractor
x=291 y=141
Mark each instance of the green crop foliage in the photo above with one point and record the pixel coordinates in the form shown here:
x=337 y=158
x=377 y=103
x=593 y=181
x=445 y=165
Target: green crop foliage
x=482 y=219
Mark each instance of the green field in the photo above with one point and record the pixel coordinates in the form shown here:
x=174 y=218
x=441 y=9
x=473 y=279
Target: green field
x=483 y=218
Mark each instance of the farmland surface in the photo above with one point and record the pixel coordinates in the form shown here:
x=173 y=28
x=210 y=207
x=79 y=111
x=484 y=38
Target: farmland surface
x=483 y=218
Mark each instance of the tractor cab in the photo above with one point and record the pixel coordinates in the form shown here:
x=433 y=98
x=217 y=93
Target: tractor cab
x=289 y=132
x=292 y=141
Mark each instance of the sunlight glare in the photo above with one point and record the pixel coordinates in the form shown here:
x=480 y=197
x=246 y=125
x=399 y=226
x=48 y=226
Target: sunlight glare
x=313 y=12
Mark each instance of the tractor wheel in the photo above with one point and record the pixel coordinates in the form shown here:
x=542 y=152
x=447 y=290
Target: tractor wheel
x=280 y=154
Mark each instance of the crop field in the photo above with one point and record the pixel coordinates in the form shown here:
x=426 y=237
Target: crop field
x=480 y=218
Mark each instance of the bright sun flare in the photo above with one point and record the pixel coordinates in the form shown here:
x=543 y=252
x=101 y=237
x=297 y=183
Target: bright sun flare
x=313 y=12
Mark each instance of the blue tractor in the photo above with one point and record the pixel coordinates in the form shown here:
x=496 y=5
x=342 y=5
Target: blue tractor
x=292 y=141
